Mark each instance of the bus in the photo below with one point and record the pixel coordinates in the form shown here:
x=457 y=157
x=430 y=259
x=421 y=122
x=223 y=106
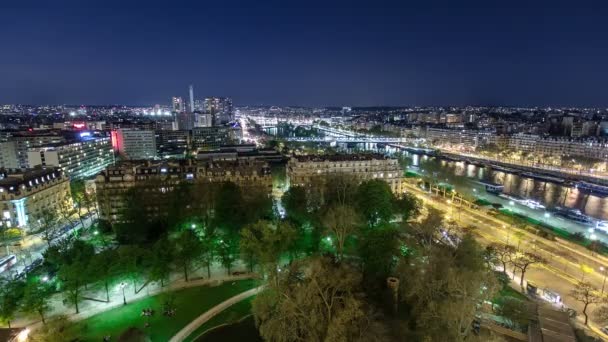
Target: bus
x=7 y=262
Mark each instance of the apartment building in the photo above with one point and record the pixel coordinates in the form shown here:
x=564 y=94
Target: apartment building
x=302 y=169
x=468 y=139
x=78 y=159
x=593 y=147
x=13 y=151
x=162 y=176
x=25 y=194
x=133 y=144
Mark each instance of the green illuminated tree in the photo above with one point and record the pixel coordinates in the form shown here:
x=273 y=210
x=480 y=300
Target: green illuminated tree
x=378 y=251
x=11 y=293
x=187 y=249
x=375 y=201
x=36 y=299
x=408 y=206
x=103 y=269
x=266 y=242
x=226 y=250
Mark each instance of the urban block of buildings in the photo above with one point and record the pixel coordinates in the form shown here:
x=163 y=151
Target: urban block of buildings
x=302 y=169
x=26 y=194
x=162 y=176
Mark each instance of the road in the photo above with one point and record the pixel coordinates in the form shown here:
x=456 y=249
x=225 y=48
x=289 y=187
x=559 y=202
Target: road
x=564 y=259
x=32 y=247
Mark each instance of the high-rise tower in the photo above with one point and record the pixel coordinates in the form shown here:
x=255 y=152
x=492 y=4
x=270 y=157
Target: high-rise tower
x=191 y=99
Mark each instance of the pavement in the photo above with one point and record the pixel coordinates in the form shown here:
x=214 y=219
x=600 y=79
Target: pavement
x=93 y=298
x=564 y=268
x=32 y=247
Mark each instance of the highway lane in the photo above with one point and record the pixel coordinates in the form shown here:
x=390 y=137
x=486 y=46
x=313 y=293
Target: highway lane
x=563 y=269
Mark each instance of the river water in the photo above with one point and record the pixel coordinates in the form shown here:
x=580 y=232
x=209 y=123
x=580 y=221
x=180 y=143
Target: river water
x=466 y=177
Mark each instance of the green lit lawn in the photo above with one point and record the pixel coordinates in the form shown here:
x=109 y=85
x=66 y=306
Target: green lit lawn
x=190 y=303
x=231 y=315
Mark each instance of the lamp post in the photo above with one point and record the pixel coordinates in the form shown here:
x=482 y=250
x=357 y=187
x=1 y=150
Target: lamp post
x=602 y=269
x=124 y=298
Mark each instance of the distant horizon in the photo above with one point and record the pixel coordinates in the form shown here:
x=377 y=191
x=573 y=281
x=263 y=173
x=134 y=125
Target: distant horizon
x=321 y=106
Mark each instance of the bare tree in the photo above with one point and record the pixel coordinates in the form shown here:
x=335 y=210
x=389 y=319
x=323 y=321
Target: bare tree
x=586 y=294
x=502 y=254
x=341 y=221
x=48 y=224
x=525 y=260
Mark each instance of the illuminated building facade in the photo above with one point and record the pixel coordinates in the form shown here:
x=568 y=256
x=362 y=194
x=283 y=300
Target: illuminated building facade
x=79 y=159
x=24 y=195
x=302 y=169
x=134 y=144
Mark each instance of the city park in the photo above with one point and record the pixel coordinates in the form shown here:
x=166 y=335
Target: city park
x=218 y=254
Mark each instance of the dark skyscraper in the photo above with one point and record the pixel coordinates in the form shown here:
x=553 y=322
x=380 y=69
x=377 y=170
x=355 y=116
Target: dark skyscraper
x=220 y=108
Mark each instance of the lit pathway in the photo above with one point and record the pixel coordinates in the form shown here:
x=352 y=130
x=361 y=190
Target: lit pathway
x=200 y=320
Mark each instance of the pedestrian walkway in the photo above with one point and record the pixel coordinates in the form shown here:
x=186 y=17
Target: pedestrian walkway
x=202 y=319
x=90 y=308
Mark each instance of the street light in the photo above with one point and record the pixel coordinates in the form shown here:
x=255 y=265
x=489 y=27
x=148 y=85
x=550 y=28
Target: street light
x=602 y=269
x=124 y=298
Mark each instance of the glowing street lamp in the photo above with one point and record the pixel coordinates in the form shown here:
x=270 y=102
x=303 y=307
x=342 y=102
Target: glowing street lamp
x=124 y=298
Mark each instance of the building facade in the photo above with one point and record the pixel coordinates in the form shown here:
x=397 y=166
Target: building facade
x=207 y=138
x=77 y=159
x=302 y=169
x=26 y=194
x=13 y=151
x=220 y=108
x=134 y=144
x=162 y=176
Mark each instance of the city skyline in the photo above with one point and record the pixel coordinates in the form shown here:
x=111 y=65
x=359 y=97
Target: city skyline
x=334 y=54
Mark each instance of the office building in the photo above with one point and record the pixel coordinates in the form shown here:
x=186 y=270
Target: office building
x=134 y=144
x=78 y=159
x=208 y=138
x=302 y=169
x=191 y=91
x=172 y=144
x=13 y=151
x=160 y=177
x=177 y=104
x=203 y=120
x=220 y=108
x=26 y=194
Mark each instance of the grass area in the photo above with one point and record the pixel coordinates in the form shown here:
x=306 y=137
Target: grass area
x=482 y=202
x=244 y=330
x=231 y=315
x=508 y=291
x=412 y=174
x=189 y=304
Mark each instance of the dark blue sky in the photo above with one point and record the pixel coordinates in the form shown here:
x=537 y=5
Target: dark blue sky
x=319 y=53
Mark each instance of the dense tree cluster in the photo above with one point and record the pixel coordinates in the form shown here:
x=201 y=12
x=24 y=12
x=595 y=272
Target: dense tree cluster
x=364 y=234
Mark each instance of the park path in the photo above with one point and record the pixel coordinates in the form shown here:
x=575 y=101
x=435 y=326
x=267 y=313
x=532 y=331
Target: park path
x=202 y=319
x=91 y=308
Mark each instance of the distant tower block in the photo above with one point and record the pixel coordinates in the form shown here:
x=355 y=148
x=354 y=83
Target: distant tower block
x=191 y=98
x=393 y=285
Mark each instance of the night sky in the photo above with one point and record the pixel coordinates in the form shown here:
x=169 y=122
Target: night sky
x=321 y=53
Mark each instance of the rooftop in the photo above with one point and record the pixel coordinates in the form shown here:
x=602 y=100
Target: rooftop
x=339 y=157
